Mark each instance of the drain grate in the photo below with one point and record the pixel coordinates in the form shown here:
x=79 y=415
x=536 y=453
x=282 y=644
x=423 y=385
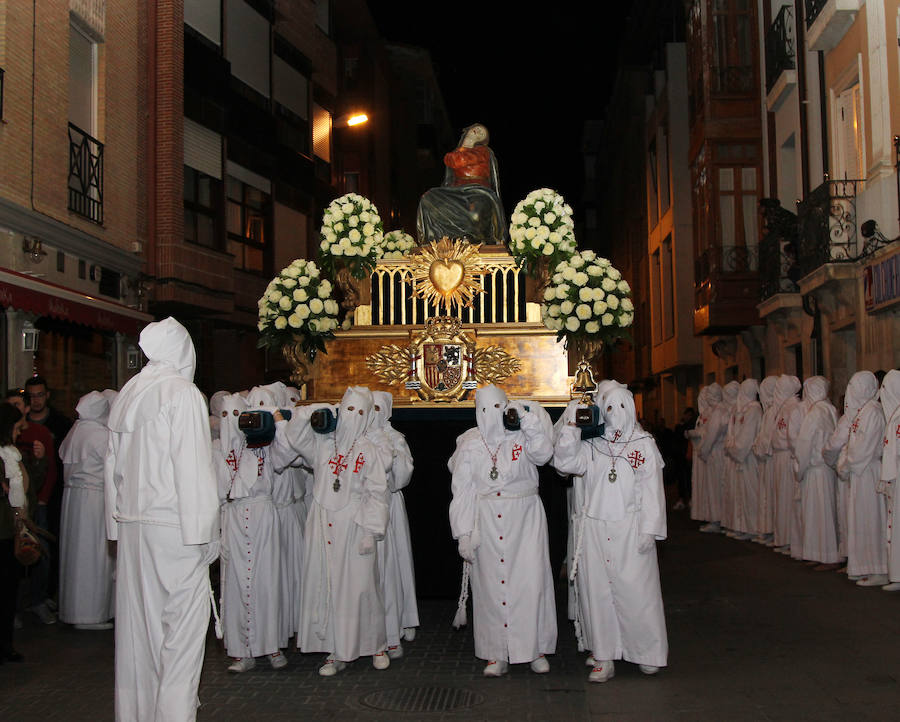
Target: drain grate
x=422 y=699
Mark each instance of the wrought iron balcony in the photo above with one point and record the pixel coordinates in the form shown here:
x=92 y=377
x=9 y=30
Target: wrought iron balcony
x=813 y=8
x=827 y=225
x=780 y=46
x=778 y=268
x=85 y=175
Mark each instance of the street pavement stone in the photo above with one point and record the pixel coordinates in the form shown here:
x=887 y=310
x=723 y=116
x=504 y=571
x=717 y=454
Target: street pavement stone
x=753 y=635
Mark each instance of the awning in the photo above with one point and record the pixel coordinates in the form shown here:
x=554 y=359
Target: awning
x=48 y=299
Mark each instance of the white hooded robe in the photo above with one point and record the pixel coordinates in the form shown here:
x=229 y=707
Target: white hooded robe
x=162 y=507
x=788 y=416
x=890 y=464
x=742 y=432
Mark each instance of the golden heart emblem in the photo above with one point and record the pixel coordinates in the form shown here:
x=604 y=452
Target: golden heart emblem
x=446 y=275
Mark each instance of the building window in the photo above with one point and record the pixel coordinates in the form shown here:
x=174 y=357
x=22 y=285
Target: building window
x=738 y=227
x=85 y=181
x=657 y=298
x=848 y=138
x=664 y=193
x=205 y=16
x=732 y=47
x=82 y=81
x=652 y=184
x=248 y=213
x=247 y=41
x=321 y=133
x=201 y=208
x=667 y=290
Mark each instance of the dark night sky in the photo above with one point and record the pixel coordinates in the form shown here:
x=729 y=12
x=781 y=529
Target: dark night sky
x=532 y=77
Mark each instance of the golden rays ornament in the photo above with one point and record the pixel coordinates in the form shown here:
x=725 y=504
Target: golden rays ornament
x=447 y=272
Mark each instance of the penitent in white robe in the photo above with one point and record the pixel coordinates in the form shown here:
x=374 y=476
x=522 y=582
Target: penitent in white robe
x=787 y=419
x=513 y=601
x=620 y=608
x=818 y=485
x=890 y=466
x=762 y=449
x=699 y=480
x=342 y=607
x=395 y=560
x=86 y=565
x=162 y=507
x=866 y=510
x=291 y=512
x=712 y=452
x=738 y=446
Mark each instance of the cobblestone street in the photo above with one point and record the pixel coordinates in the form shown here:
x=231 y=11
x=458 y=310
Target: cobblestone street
x=752 y=636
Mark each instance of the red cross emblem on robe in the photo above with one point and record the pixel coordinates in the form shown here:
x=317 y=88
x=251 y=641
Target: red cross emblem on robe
x=782 y=424
x=516 y=450
x=360 y=463
x=260 y=462
x=617 y=435
x=337 y=464
x=231 y=460
x=855 y=425
x=636 y=459
x=898 y=431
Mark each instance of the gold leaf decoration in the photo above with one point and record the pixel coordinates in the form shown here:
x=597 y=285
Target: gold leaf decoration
x=390 y=364
x=493 y=364
x=447 y=273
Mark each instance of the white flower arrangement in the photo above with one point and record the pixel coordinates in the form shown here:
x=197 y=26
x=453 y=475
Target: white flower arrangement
x=351 y=235
x=298 y=302
x=541 y=227
x=587 y=298
x=396 y=244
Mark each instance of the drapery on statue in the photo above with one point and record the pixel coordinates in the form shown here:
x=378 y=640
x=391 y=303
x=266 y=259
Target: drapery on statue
x=467 y=205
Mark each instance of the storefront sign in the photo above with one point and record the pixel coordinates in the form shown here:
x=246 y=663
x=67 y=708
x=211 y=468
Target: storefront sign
x=48 y=299
x=881 y=283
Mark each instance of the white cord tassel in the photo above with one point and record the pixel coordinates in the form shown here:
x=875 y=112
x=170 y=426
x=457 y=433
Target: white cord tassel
x=215 y=612
x=461 y=618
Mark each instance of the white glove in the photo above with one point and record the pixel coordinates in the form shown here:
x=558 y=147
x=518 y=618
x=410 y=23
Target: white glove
x=367 y=545
x=883 y=487
x=211 y=552
x=518 y=406
x=646 y=542
x=466 y=549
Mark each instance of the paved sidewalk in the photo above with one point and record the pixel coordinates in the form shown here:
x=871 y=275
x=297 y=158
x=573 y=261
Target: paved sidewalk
x=753 y=636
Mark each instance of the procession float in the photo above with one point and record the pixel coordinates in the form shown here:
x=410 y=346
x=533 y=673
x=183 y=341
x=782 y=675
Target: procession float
x=472 y=300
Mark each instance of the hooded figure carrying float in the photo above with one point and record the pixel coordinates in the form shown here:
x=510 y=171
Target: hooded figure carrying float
x=499 y=521
x=395 y=560
x=622 y=515
x=251 y=599
x=162 y=507
x=85 y=563
x=342 y=609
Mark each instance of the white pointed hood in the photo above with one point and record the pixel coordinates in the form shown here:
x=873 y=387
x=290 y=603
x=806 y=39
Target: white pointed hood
x=490 y=403
x=168 y=373
x=354 y=417
x=890 y=405
x=381 y=415
x=618 y=414
x=89 y=433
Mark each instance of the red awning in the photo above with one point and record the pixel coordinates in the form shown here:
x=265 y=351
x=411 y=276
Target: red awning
x=48 y=299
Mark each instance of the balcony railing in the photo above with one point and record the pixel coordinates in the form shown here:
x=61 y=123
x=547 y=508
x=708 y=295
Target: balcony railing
x=717 y=260
x=778 y=267
x=732 y=79
x=780 y=46
x=85 y=175
x=813 y=8
x=827 y=225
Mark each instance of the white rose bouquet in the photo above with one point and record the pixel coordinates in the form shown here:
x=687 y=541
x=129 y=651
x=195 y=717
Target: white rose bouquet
x=541 y=227
x=298 y=302
x=587 y=299
x=351 y=235
x=396 y=244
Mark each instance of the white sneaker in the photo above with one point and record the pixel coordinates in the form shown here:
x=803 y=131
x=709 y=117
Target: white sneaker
x=678 y=505
x=590 y=661
x=873 y=580
x=409 y=633
x=710 y=528
x=331 y=667
x=602 y=672
x=381 y=661
x=244 y=664
x=278 y=660
x=540 y=665
x=892 y=587
x=496 y=669
x=743 y=535
x=94 y=627
x=648 y=668
x=51 y=604
x=395 y=652
x=42 y=612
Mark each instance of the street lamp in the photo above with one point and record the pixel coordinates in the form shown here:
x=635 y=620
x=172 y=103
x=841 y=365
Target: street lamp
x=351 y=119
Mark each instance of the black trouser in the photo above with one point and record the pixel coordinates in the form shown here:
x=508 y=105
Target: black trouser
x=10 y=573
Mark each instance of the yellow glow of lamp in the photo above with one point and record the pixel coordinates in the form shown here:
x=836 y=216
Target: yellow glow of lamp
x=357 y=119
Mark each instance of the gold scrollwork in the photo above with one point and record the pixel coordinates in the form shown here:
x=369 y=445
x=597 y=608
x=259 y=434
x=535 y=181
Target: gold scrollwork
x=390 y=364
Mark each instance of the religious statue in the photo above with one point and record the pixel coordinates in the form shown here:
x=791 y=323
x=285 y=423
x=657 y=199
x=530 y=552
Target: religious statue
x=467 y=205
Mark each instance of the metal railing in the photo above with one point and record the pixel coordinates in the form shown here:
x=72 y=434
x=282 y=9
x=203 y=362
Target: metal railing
x=813 y=8
x=780 y=46
x=827 y=225
x=85 y=175
x=394 y=303
x=778 y=267
x=717 y=260
x=732 y=79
